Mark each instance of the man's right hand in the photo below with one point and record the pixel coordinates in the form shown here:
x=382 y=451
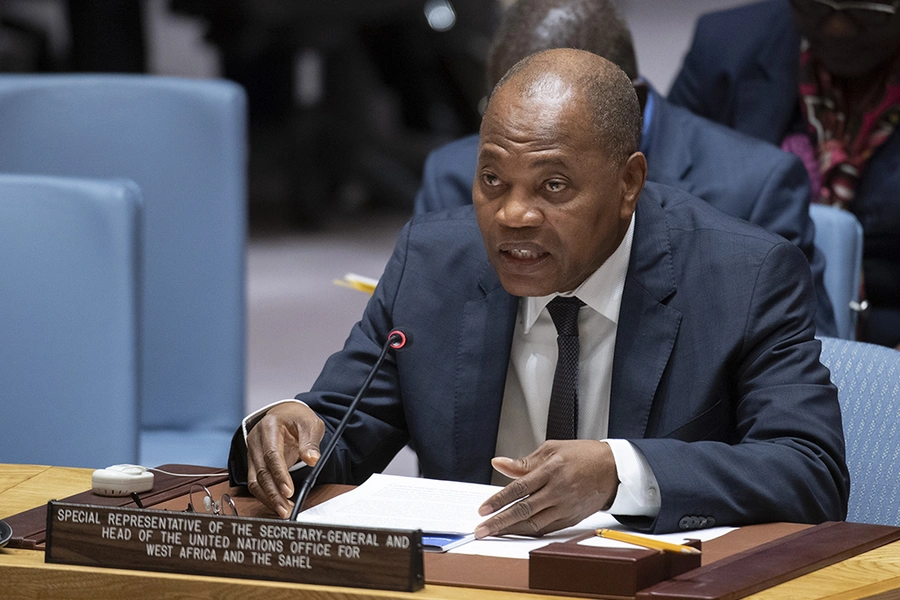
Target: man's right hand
x=289 y=433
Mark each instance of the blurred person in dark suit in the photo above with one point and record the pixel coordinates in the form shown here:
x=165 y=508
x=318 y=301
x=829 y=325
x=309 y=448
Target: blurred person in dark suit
x=821 y=79
x=738 y=175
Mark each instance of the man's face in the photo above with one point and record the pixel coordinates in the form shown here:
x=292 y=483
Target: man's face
x=849 y=43
x=551 y=205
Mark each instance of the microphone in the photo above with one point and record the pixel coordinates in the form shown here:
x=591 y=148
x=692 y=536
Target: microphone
x=396 y=340
x=399 y=339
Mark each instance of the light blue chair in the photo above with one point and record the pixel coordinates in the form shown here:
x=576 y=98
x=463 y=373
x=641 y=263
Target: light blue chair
x=69 y=321
x=868 y=381
x=184 y=143
x=839 y=236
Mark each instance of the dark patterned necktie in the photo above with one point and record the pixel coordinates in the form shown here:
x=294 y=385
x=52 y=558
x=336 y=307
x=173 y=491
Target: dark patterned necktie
x=562 y=420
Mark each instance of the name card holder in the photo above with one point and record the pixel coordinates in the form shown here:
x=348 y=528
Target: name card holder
x=573 y=568
x=228 y=546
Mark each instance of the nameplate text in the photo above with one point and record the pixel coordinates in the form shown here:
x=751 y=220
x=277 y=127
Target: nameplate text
x=201 y=544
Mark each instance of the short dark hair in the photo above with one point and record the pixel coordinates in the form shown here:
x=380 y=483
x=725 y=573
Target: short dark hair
x=529 y=26
x=608 y=94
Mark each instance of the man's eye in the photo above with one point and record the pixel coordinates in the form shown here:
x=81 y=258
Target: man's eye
x=555 y=186
x=491 y=180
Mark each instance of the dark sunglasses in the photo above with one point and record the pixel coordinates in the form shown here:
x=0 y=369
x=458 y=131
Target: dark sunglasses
x=863 y=14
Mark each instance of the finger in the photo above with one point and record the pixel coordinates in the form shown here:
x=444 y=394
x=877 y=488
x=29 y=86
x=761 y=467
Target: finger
x=304 y=437
x=260 y=487
x=309 y=446
x=268 y=477
x=518 y=469
x=541 y=524
x=510 y=467
x=514 y=468
x=516 y=490
x=310 y=454
x=277 y=469
x=267 y=449
x=309 y=434
x=525 y=517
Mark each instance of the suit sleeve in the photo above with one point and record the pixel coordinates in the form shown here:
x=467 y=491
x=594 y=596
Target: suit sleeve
x=785 y=461
x=783 y=207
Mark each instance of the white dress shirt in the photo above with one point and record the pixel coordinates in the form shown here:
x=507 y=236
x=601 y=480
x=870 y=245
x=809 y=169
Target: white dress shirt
x=529 y=380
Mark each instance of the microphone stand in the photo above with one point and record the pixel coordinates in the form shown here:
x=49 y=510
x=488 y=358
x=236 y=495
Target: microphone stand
x=396 y=339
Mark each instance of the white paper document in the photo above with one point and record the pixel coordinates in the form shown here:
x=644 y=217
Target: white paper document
x=396 y=502
x=451 y=507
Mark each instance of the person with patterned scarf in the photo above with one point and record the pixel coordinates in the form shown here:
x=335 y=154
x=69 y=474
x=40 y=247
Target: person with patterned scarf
x=821 y=79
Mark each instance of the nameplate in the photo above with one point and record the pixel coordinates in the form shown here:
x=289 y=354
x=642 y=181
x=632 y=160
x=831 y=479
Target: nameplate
x=570 y=567
x=227 y=546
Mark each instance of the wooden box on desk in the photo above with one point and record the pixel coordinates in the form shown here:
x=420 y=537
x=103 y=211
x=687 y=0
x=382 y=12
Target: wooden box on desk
x=574 y=568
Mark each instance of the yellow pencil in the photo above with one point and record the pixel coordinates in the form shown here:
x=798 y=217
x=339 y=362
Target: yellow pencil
x=646 y=542
x=358 y=282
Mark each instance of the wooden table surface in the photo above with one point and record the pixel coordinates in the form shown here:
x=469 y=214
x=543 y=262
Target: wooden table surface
x=23 y=573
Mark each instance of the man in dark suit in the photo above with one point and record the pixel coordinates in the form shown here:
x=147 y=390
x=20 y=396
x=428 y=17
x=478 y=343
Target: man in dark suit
x=696 y=363
x=736 y=174
x=744 y=70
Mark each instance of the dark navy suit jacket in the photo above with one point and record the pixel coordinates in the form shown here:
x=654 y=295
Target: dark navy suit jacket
x=738 y=175
x=741 y=71
x=716 y=377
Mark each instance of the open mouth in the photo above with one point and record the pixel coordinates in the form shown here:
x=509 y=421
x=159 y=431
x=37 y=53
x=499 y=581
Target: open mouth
x=517 y=257
x=524 y=254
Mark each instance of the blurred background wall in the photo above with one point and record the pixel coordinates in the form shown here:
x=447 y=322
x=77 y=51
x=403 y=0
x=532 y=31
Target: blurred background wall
x=346 y=97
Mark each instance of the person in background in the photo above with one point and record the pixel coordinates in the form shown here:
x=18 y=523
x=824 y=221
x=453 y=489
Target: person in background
x=821 y=79
x=607 y=343
x=738 y=175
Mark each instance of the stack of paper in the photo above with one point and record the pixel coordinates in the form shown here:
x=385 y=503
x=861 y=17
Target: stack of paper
x=447 y=514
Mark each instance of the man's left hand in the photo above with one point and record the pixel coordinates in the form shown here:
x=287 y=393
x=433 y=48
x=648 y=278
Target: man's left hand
x=556 y=486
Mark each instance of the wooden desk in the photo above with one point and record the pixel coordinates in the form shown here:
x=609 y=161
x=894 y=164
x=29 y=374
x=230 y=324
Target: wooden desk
x=23 y=573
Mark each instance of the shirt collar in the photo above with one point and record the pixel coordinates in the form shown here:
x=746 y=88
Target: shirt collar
x=602 y=290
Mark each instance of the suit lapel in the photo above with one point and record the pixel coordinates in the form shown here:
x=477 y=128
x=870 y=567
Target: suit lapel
x=647 y=327
x=483 y=350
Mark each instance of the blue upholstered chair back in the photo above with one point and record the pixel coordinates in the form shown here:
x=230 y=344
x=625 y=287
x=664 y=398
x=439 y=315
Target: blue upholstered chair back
x=183 y=142
x=868 y=381
x=840 y=238
x=68 y=321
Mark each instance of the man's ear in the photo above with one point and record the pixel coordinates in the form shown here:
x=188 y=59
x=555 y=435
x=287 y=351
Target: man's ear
x=633 y=176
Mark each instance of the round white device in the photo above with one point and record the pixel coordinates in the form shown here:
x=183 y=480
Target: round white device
x=121 y=480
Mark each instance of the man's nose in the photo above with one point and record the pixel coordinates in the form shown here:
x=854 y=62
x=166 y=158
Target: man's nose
x=519 y=209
